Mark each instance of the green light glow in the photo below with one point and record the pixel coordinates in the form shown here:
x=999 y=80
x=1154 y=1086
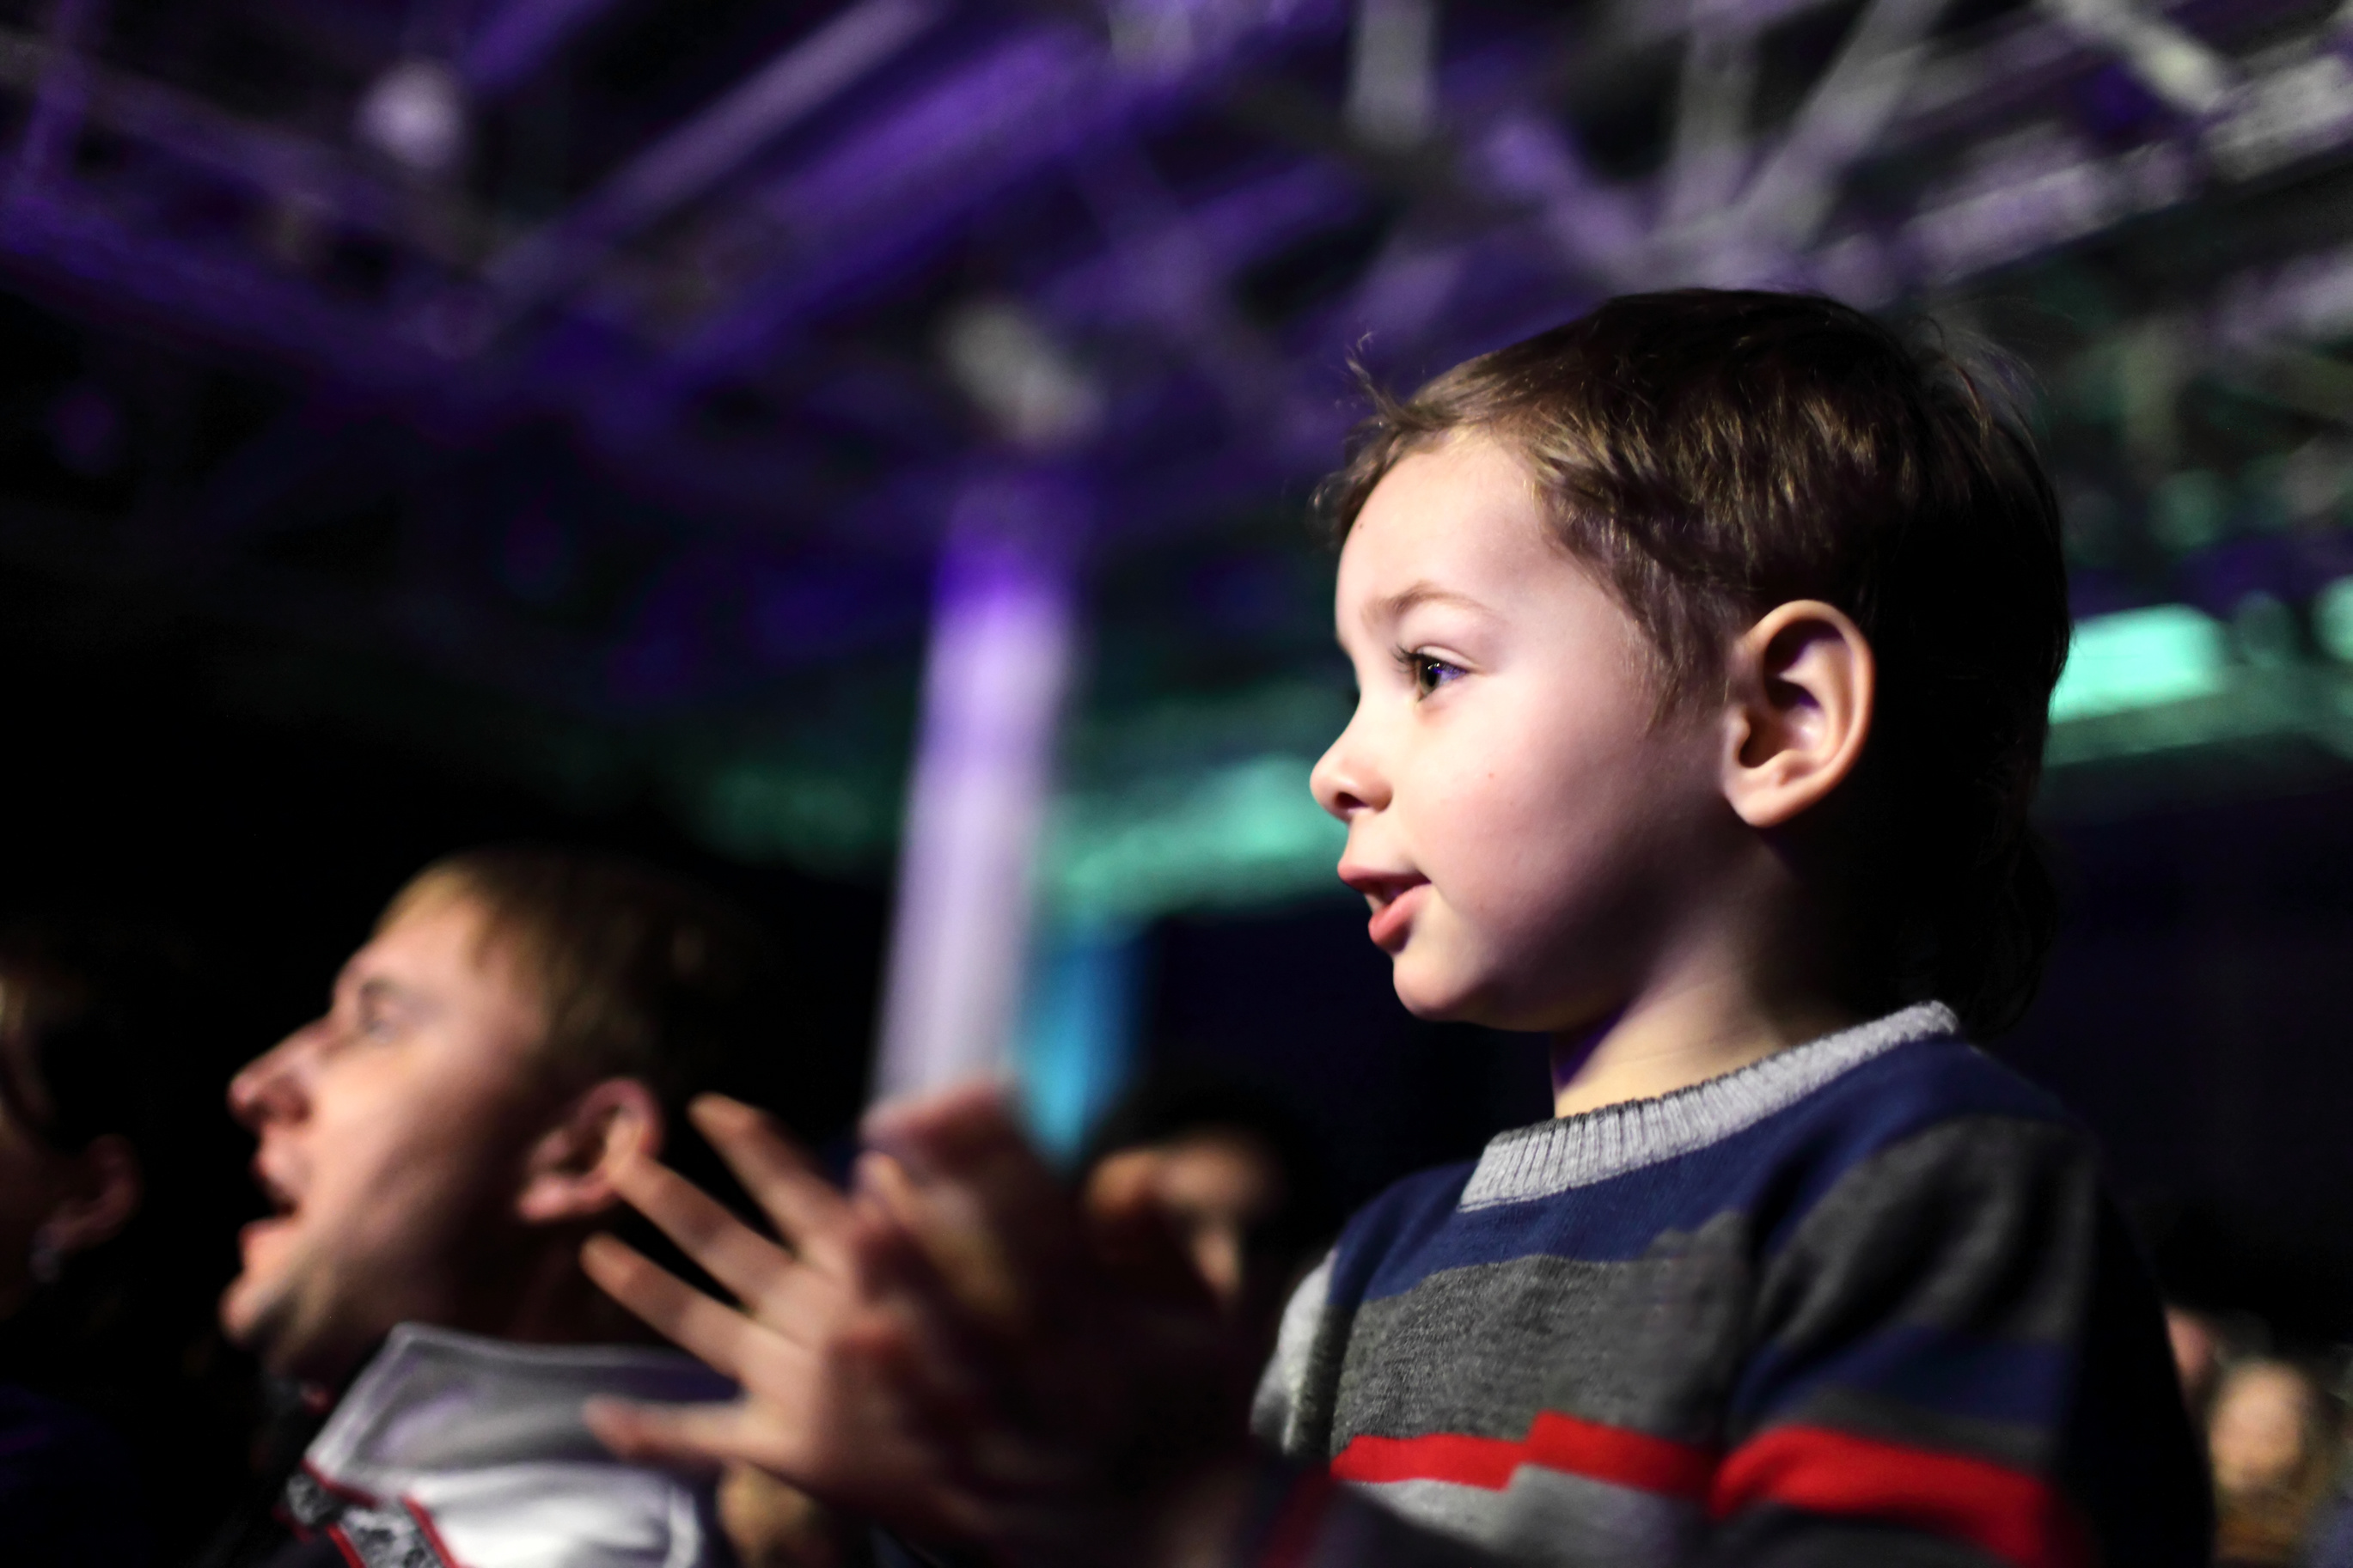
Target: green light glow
x=1248 y=833
x=2332 y=619
x=2140 y=659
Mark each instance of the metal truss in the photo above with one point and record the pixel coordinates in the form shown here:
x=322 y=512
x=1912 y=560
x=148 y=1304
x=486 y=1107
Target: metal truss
x=771 y=282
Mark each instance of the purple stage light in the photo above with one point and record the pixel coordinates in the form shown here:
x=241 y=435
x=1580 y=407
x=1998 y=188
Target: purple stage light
x=994 y=681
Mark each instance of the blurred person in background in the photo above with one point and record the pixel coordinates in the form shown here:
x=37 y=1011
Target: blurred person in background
x=2330 y=1538
x=434 y=1149
x=2197 y=1343
x=2273 y=1435
x=73 y=1073
x=1235 y=1173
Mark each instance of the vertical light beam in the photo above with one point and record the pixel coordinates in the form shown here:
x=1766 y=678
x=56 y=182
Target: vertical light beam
x=997 y=665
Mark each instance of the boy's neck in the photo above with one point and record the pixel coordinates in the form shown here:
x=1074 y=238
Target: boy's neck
x=1683 y=1034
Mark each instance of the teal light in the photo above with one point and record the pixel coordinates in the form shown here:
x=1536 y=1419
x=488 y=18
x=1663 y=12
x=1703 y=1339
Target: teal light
x=2140 y=659
x=1246 y=833
x=2332 y=619
x=1076 y=1044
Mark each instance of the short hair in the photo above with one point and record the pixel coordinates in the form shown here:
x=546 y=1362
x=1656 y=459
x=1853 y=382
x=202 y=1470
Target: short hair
x=1711 y=453
x=638 y=973
x=81 y=1012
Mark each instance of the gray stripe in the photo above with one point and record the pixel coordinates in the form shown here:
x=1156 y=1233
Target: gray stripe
x=1275 y=1414
x=1578 y=1151
x=1984 y=1225
x=1544 y=1517
x=1651 y=1344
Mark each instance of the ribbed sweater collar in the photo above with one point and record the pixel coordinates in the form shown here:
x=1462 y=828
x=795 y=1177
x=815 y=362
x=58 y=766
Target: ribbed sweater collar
x=1579 y=1150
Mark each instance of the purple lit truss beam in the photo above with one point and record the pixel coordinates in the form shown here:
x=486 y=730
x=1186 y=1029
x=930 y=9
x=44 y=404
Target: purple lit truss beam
x=519 y=37
x=855 y=216
x=248 y=156
x=691 y=159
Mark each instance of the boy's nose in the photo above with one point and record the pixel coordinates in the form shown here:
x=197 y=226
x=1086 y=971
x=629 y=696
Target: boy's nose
x=1344 y=783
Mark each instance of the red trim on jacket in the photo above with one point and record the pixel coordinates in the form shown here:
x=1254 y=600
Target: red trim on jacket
x=432 y=1536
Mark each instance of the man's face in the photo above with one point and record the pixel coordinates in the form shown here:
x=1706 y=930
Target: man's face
x=393 y=1136
x=1527 y=832
x=1215 y=1188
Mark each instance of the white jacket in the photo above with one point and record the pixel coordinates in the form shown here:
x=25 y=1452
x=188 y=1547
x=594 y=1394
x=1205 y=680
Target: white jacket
x=456 y=1451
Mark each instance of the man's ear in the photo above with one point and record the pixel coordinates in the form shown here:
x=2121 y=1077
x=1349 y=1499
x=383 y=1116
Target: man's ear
x=568 y=1175
x=101 y=1192
x=1803 y=685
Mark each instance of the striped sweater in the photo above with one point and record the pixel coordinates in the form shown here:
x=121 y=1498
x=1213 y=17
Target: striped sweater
x=1862 y=1303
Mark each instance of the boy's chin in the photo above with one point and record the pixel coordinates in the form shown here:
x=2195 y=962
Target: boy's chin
x=1437 y=995
x=1434 y=996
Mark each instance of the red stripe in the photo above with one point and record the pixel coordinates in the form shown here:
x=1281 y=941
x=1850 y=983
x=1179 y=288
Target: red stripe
x=1554 y=1442
x=2014 y=1516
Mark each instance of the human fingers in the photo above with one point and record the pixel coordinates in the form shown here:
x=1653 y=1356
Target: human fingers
x=808 y=1211
x=696 y=1437
x=917 y=1327
x=1138 y=1235
x=727 y=1340
x=975 y=1177
x=735 y=1254
x=938 y=1251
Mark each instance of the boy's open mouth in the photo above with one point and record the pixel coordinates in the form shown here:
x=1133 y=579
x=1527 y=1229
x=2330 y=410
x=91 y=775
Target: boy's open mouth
x=1393 y=897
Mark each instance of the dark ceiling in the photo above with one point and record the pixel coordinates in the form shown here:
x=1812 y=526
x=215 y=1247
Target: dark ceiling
x=581 y=386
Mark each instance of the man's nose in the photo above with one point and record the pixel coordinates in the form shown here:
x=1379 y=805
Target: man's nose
x=270 y=1088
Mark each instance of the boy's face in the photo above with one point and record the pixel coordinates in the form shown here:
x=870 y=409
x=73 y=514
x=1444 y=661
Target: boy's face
x=1531 y=837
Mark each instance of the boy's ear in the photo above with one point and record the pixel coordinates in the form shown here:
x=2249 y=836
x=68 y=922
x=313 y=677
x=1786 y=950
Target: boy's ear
x=568 y=1174
x=1802 y=687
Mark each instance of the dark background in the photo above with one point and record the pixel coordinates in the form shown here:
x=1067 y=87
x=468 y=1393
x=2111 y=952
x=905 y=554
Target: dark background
x=2195 y=1013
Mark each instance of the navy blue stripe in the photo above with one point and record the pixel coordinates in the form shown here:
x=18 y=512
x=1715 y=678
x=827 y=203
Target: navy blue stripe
x=2017 y=1380
x=1776 y=1171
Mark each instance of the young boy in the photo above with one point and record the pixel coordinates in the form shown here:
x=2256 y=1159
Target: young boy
x=1705 y=646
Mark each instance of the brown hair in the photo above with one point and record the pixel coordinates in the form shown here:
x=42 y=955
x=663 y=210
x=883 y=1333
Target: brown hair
x=640 y=973
x=1711 y=454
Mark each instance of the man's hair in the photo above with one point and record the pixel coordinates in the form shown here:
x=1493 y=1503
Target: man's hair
x=1710 y=453
x=638 y=973
x=80 y=1014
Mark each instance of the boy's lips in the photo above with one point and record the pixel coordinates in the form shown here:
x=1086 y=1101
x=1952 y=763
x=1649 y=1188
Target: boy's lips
x=1394 y=897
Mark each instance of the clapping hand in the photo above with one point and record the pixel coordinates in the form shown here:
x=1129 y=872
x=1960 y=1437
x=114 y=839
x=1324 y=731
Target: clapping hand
x=951 y=1349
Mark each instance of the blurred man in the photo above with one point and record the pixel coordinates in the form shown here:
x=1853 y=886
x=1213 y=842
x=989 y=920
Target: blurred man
x=1233 y=1172
x=435 y=1148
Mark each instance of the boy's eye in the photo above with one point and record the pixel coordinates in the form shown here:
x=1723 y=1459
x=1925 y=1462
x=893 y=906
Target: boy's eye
x=1430 y=672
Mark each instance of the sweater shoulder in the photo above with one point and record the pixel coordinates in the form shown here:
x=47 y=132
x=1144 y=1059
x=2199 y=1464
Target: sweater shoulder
x=1607 y=1186
x=1407 y=1216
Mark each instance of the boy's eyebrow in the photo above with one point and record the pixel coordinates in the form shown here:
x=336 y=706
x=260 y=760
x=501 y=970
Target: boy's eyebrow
x=1423 y=592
